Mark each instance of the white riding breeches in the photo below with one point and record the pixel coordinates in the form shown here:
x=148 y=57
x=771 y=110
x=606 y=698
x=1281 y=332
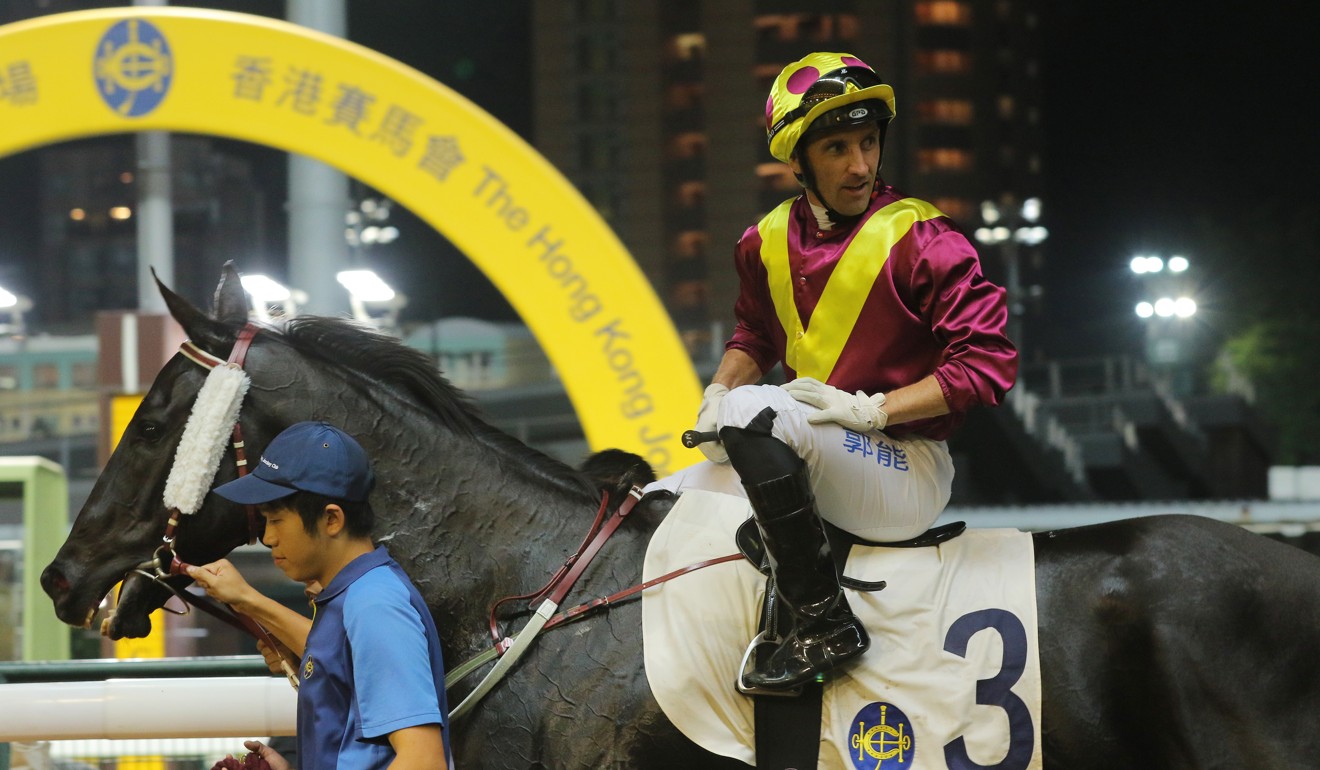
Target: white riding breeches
x=876 y=487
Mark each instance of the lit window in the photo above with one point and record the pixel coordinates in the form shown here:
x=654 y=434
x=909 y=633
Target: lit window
x=934 y=159
x=121 y=212
x=781 y=26
x=944 y=61
x=690 y=243
x=1006 y=106
x=688 y=46
x=846 y=26
x=684 y=96
x=953 y=112
x=944 y=13
x=691 y=193
x=827 y=27
x=688 y=145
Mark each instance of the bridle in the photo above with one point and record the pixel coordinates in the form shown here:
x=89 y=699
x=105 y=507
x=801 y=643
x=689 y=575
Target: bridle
x=165 y=562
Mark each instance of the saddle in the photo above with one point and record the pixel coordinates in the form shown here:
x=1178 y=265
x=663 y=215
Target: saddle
x=748 y=538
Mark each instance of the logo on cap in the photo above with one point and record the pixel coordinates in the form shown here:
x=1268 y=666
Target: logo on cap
x=860 y=112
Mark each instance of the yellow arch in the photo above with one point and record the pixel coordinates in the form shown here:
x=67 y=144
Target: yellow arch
x=268 y=82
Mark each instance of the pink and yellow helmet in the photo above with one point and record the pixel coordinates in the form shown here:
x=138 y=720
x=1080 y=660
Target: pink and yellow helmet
x=817 y=86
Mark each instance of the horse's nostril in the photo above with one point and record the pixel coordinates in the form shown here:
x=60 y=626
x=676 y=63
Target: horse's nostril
x=54 y=581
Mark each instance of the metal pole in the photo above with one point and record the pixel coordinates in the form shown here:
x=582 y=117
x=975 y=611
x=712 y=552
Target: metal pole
x=318 y=195
x=1014 y=289
x=155 y=214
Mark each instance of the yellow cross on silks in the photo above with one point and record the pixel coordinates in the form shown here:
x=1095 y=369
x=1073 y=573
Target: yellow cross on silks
x=814 y=349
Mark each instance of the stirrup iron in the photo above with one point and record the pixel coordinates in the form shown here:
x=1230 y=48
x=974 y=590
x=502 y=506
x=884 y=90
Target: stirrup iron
x=747 y=689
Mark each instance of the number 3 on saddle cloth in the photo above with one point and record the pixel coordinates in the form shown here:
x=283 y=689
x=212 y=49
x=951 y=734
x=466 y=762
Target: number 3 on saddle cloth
x=952 y=615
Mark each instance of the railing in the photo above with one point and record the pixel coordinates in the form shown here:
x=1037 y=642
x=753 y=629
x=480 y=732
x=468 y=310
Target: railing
x=141 y=714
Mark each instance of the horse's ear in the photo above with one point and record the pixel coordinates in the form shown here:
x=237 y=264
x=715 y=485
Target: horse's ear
x=201 y=329
x=230 y=304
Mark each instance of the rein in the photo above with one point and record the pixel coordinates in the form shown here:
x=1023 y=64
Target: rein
x=509 y=651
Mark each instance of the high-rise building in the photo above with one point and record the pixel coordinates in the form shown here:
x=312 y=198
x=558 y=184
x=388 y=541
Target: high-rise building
x=87 y=198
x=654 y=110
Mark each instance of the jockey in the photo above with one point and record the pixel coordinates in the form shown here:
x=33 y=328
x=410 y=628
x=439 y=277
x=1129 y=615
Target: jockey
x=888 y=332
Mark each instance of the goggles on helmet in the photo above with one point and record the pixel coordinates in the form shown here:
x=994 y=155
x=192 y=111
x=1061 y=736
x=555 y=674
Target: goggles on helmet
x=835 y=83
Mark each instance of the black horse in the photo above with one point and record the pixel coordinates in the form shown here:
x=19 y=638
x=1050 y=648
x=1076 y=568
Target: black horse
x=1166 y=642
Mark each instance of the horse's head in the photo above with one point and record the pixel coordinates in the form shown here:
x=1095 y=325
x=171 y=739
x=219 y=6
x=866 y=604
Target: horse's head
x=123 y=523
x=387 y=395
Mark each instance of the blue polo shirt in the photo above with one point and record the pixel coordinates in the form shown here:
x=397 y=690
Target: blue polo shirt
x=372 y=666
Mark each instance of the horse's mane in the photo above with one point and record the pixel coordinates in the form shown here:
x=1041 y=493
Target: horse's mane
x=381 y=358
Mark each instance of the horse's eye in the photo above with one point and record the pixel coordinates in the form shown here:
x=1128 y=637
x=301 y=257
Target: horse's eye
x=149 y=432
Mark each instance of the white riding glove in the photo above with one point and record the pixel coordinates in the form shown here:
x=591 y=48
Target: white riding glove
x=706 y=422
x=858 y=412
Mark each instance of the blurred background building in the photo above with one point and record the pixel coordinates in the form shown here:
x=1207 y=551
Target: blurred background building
x=654 y=111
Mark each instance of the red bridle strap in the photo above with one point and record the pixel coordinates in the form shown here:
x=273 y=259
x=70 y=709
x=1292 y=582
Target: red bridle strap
x=236 y=357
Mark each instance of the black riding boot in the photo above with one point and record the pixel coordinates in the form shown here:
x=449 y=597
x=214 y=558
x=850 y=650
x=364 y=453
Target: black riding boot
x=825 y=631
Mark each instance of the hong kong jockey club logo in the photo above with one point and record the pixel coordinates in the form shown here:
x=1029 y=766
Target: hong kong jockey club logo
x=133 y=67
x=881 y=738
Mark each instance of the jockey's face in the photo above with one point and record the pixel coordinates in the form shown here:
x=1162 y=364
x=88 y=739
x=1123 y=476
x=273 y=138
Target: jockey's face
x=844 y=162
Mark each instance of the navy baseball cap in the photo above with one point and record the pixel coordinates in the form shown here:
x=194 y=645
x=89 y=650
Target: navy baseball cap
x=312 y=457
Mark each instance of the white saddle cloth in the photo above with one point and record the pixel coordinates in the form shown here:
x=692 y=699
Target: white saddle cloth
x=951 y=615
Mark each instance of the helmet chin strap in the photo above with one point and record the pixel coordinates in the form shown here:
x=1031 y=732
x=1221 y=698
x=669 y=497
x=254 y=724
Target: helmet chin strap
x=808 y=180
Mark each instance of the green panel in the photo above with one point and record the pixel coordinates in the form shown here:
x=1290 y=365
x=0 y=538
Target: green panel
x=45 y=524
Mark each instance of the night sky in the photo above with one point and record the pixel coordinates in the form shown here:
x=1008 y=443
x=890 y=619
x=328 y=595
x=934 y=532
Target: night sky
x=1160 y=117
x=1165 y=118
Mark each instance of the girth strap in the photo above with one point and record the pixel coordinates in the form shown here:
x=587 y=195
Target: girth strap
x=748 y=539
x=786 y=724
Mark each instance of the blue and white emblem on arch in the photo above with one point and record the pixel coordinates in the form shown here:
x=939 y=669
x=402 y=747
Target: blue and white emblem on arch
x=881 y=738
x=133 y=67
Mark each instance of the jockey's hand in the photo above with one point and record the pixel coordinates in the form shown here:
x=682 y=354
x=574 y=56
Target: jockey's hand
x=706 y=422
x=858 y=412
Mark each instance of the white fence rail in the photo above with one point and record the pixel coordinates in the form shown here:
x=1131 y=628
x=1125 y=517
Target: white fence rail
x=148 y=708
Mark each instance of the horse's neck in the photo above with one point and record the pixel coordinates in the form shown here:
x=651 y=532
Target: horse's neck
x=472 y=518
x=468 y=513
